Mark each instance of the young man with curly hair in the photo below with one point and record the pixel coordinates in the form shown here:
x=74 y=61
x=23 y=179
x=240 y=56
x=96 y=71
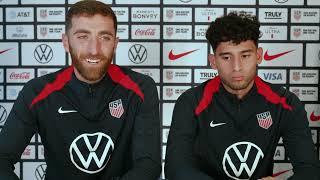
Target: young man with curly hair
x=229 y=126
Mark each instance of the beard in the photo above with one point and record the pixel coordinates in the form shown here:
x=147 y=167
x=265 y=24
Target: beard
x=90 y=73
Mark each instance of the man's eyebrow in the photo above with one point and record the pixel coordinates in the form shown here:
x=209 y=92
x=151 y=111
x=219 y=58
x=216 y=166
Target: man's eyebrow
x=106 y=32
x=81 y=31
x=224 y=53
x=247 y=51
x=88 y=32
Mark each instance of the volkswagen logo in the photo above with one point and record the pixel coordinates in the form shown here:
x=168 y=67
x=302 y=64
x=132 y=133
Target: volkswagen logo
x=3 y=114
x=137 y=53
x=43 y=53
x=239 y=157
x=40 y=172
x=90 y=153
x=185 y=1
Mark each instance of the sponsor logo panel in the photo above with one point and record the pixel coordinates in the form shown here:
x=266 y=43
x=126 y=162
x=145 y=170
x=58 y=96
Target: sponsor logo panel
x=304 y=76
x=200 y=32
x=9 y=54
x=153 y=73
x=145 y=31
x=167 y=110
x=165 y=133
x=13 y=92
x=177 y=14
x=145 y=14
x=1 y=75
x=282 y=54
x=273 y=75
x=281 y=2
x=19 y=14
x=5 y=109
x=305 y=15
x=177 y=32
x=50 y=14
x=313 y=2
x=305 y=93
x=19 y=32
x=185 y=54
x=29 y=152
x=137 y=2
x=40 y=152
x=202 y=75
x=177 y=75
x=19 y=75
x=8 y=2
x=313 y=114
x=304 y=33
x=122 y=13
x=1 y=32
x=274 y=15
x=44 y=71
x=42 y=2
x=273 y=32
x=187 y=2
x=1 y=93
x=1 y=14
x=50 y=31
x=279 y=153
x=42 y=53
x=34 y=170
x=246 y=11
x=232 y=2
x=283 y=167
x=123 y=31
x=138 y=54
x=173 y=92
x=207 y=14
x=313 y=55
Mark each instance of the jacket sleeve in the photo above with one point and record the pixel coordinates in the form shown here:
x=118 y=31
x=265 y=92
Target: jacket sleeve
x=298 y=142
x=15 y=135
x=146 y=137
x=180 y=161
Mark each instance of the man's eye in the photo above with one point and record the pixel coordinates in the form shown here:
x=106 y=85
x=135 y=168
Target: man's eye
x=246 y=56
x=106 y=38
x=225 y=57
x=82 y=37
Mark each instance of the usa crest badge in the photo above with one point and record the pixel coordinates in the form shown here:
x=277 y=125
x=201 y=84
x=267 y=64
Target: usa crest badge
x=116 y=108
x=264 y=120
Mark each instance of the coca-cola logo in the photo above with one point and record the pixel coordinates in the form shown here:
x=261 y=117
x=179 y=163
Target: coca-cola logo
x=23 y=75
x=145 y=32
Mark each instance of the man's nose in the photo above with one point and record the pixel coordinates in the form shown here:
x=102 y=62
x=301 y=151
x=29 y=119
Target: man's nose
x=94 y=46
x=237 y=63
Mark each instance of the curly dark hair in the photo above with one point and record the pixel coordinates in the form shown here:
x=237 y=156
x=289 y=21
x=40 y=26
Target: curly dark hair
x=89 y=8
x=233 y=27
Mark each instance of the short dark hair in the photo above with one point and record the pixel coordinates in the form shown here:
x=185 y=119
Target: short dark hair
x=89 y=8
x=233 y=27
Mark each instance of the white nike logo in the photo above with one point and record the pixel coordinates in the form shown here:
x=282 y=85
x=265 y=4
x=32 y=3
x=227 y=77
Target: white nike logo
x=215 y=125
x=65 y=111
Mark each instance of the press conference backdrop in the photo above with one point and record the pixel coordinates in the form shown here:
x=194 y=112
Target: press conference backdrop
x=151 y=33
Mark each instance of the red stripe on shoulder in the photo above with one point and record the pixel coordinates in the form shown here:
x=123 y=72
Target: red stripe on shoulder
x=209 y=90
x=61 y=79
x=266 y=91
x=118 y=76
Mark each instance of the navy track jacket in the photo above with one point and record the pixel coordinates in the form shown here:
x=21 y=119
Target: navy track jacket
x=215 y=136
x=102 y=131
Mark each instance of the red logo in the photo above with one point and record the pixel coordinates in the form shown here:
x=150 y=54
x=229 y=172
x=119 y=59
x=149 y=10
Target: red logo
x=147 y=32
x=280 y=172
x=23 y=75
x=173 y=57
x=264 y=120
x=268 y=57
x=1 y=52
x=314 y=117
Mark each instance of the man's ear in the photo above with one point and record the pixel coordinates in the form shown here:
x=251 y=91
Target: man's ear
x=259 y=55
x=212 y=60
x=65 y=42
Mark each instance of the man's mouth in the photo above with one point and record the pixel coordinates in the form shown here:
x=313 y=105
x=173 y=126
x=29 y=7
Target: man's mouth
x=93 y=61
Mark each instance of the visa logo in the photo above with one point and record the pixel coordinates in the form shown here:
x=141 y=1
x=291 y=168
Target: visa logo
x=272 y=76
